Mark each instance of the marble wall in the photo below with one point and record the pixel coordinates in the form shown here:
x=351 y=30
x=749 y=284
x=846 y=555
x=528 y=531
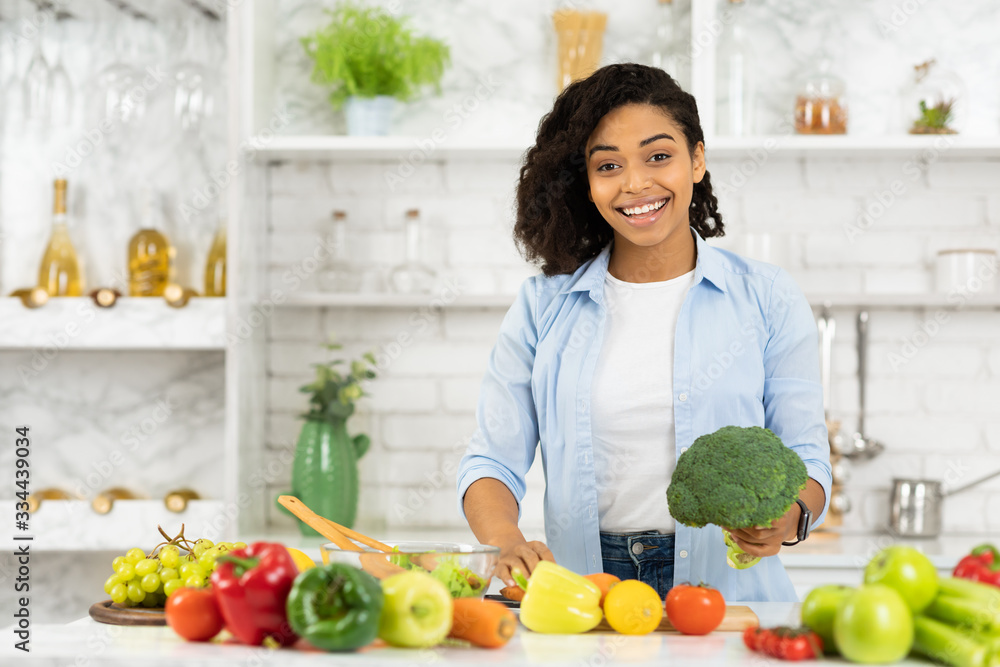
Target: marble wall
x=934 y=411
x=872 y=46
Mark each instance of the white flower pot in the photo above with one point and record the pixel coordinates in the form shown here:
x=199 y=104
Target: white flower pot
x=369 y=116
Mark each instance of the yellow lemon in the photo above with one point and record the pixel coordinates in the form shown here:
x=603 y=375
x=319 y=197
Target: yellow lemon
x=633 y=608
x=302 y=561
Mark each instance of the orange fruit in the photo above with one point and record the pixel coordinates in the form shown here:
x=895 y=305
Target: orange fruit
x=604 y=581
x=633 y=608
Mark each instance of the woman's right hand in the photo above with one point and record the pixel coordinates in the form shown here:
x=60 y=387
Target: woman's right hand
x=523 y=556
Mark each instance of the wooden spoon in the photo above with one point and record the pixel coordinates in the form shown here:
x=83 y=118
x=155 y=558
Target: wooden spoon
x=374 y=564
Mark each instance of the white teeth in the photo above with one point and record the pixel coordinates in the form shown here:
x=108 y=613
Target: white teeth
x=639 y=210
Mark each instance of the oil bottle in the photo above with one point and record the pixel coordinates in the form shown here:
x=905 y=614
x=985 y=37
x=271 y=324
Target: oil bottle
x=150 y=255
x=215 y=266
x=59 y=273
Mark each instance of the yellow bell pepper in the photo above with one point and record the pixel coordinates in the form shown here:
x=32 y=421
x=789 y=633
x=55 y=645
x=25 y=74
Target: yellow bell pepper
x=560 y=601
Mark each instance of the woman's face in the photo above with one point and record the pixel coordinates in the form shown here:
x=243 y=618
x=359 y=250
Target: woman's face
x=642 y=174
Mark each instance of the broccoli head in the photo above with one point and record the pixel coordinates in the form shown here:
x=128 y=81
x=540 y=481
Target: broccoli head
x=737 y=477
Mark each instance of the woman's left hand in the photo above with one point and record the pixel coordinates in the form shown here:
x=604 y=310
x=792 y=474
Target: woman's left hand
x=766 y=541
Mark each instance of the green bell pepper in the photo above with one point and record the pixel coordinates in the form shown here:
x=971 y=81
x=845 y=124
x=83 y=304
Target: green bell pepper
x=335 y=607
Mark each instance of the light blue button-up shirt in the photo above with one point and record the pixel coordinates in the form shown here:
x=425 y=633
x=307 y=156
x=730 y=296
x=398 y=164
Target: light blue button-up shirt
x=745 y=354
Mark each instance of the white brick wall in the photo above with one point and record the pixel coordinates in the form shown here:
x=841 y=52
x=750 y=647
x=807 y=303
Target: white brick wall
x=936 y=407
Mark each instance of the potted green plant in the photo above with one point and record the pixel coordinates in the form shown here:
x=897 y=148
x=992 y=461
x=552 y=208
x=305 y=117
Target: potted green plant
x=325 y=469
x=372 y=58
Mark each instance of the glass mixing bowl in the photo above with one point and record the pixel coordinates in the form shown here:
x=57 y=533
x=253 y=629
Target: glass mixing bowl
x=464 y=569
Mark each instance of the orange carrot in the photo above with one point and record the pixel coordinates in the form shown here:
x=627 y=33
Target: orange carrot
x=485 y=623
x=515 y=593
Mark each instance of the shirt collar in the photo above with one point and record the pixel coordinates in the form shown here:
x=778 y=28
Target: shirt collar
x=590 y=276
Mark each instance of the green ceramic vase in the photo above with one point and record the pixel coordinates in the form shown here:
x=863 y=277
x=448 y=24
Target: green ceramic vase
x=325 y=471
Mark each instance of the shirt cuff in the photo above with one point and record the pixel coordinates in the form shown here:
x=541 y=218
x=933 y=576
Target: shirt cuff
x=477 y=473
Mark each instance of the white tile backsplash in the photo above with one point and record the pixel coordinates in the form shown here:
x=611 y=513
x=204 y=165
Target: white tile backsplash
x=927 y=393
x=838 y=225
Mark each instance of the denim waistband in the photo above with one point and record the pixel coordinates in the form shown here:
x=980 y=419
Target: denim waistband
x=638 y=547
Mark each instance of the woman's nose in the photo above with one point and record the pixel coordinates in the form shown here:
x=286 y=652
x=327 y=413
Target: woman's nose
x=636 y=180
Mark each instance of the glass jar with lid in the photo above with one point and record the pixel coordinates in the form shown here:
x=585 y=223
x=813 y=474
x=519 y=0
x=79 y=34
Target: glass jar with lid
x=934 y=102
x=821 y=102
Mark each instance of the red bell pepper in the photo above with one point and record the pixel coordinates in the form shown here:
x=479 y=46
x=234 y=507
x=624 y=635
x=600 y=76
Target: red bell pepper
x=982 y=564
x=252 y=586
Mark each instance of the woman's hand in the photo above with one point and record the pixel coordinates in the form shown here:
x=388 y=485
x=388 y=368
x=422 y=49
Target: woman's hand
x=523 y=556
x=766 y=541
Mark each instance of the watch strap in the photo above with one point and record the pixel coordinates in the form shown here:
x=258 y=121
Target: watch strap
x=805 y=520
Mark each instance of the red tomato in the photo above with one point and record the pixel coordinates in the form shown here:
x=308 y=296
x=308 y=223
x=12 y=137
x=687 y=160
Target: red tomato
x=753 y=636
x=773 y=644
x=784 y=643
x=801 y=647
x=695 y=610
x=194 y=614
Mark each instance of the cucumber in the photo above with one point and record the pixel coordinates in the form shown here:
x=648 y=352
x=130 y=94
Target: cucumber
x=944 y=643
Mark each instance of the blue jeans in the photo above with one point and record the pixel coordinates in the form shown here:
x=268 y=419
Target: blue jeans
x=648 y=557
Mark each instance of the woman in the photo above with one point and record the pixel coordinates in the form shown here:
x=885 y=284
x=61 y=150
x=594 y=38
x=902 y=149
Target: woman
x=637 y=338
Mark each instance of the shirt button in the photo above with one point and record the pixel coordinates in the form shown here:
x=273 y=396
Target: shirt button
x=683 y=397
x=637 y=548
x=683 y=553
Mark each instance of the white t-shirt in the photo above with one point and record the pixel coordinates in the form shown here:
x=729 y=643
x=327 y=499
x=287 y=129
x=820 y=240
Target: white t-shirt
x=632 y=410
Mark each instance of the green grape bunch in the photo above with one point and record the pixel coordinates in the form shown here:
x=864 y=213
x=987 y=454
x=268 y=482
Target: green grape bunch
x=147 y=580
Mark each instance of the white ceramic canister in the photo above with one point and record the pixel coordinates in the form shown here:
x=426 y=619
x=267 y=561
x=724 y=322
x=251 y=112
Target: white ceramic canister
x=967 y=270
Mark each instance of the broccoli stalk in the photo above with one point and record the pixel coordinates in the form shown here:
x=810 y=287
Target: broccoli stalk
x=737 y=477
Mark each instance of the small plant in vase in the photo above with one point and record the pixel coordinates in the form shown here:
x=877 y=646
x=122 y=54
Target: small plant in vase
x=325 y=469
x=934 y=100
x=372 y=58
x=934 y=119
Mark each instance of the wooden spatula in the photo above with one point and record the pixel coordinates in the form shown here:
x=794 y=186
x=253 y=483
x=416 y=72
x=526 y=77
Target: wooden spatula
x=375 y=564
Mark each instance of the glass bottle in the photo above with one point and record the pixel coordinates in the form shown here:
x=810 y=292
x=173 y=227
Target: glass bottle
x=35 y=499
x=177 y=500
x=150 y=255
x=412 y=276
x=821 y=103
x=340 y=273
x=104 y=501
x=734 y=87
x=59 y=274
x=215 y=266
x=666 y=50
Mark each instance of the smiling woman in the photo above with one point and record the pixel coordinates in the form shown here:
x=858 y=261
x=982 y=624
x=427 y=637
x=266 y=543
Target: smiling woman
x=637 y=338
x=642 y=185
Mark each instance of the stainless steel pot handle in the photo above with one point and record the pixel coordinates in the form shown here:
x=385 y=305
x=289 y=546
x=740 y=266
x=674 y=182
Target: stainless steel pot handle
x=862 y=367
x=970 y=484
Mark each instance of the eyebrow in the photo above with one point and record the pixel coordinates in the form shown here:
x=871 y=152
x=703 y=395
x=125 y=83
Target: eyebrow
x=644 y=142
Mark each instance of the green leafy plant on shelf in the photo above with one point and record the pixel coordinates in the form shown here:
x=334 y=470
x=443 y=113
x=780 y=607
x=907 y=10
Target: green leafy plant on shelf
x=934 y=119
x=333 y=393
x=325 y=468
x=367 y=52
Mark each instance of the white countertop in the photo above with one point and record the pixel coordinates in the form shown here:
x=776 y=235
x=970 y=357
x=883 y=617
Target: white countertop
x=85 y=643
x=823 y=550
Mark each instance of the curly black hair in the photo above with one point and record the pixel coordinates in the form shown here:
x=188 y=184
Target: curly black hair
x=557 y=225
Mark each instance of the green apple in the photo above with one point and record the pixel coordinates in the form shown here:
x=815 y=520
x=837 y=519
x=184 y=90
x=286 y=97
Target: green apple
x=417 y=611
x=906 y=570
x=819 y=609
x=874 y=625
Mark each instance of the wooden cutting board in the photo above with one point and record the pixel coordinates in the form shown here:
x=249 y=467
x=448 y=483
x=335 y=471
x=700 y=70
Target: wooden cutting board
x=737 y=619
x=115 y=614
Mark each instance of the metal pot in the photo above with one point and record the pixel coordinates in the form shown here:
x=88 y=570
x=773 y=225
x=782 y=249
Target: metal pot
x=915 y=505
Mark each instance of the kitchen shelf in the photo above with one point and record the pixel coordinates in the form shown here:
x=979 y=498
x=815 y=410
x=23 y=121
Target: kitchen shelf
x=325 y=147
x=394 y=148
x=73 y=525
x=905 y=301
x=873 y=301
x=144 y=323
x=389 y=300
x=861 y=147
